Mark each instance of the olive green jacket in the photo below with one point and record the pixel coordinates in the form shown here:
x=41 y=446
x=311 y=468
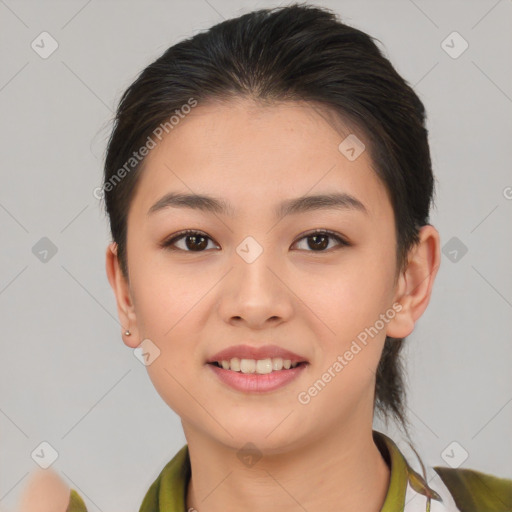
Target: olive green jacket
x=448 y=489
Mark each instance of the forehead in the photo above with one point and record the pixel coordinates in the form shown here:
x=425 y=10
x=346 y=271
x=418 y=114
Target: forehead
x=255 y=155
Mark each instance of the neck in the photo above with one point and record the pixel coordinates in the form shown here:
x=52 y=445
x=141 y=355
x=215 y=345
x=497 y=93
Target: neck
x=341 y=473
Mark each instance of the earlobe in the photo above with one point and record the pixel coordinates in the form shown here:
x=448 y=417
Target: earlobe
x=415 y=284
x=121 y=289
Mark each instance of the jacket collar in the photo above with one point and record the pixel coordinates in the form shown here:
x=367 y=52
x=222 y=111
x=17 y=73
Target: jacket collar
x=168 y=492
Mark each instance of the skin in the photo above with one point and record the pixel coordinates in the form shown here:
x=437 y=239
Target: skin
x=45 y=491
x=312 y=301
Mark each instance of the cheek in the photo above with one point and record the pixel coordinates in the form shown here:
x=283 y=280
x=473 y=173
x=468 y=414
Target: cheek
x=170 y=322
x=341 y=388
x=349 y=302
x=348 y=299
x=350 y=305
x=165 y=298
x=169 y=308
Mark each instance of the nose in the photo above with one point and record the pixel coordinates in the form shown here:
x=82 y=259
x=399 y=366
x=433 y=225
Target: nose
x=256 y=292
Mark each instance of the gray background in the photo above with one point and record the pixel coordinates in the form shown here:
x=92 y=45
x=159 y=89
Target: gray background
x=65 y=375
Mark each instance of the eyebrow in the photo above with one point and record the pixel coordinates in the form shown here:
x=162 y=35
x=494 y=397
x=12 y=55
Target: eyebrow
x=205 y=203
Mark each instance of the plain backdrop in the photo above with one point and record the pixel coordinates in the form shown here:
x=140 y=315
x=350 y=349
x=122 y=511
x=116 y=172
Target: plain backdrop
x=67 y=379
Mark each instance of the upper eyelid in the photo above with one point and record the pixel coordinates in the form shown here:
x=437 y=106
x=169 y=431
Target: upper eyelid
x=178 y=236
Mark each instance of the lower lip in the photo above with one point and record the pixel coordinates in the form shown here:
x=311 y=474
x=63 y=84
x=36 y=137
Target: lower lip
x=258 y=383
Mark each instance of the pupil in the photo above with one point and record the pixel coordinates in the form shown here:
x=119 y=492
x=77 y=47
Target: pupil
x=321 y=245
x=194 y=240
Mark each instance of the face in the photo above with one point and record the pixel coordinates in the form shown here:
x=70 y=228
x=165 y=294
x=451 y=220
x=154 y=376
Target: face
x=253 y=277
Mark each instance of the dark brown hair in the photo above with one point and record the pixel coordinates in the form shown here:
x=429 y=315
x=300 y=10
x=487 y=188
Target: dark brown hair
x=297 y=52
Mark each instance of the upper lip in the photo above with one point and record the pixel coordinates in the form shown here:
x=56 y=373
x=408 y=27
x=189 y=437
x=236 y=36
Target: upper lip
x=262 y=352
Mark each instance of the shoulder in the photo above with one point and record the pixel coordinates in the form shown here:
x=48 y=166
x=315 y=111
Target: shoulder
x=76 y=503
x=475 y=491
x=167 y=491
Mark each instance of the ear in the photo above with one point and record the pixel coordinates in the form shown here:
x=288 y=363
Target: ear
x=415 y=284
x=121 y=288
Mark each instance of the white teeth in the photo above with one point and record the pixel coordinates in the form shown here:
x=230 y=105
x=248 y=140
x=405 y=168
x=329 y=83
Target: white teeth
x=277 y=363
x=247 y=365
x=264 y=366
x=260 y=366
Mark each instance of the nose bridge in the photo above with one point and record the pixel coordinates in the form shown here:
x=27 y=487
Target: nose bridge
x=253 y=261
x=254 y=291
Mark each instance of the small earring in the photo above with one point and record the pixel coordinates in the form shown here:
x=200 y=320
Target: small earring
x=127 y=332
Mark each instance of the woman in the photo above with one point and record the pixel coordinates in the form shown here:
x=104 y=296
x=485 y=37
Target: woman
x=268 y=184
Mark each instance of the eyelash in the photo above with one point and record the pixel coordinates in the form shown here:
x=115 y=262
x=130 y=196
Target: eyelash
x=168 y=244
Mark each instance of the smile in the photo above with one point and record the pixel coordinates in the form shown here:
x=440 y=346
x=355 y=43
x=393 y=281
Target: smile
x=252 y=381
x=260 y=366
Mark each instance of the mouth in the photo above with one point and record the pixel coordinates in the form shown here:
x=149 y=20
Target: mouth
x=261 y=360
x=260 y=366
x=257 y=376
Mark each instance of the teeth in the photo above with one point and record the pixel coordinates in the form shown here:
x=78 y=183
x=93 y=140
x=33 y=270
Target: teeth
x=247 y=365
x=260 y=366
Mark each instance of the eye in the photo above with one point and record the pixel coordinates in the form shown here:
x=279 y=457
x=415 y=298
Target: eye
x=320 y=240
x=194 y=241
x=197 y=241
